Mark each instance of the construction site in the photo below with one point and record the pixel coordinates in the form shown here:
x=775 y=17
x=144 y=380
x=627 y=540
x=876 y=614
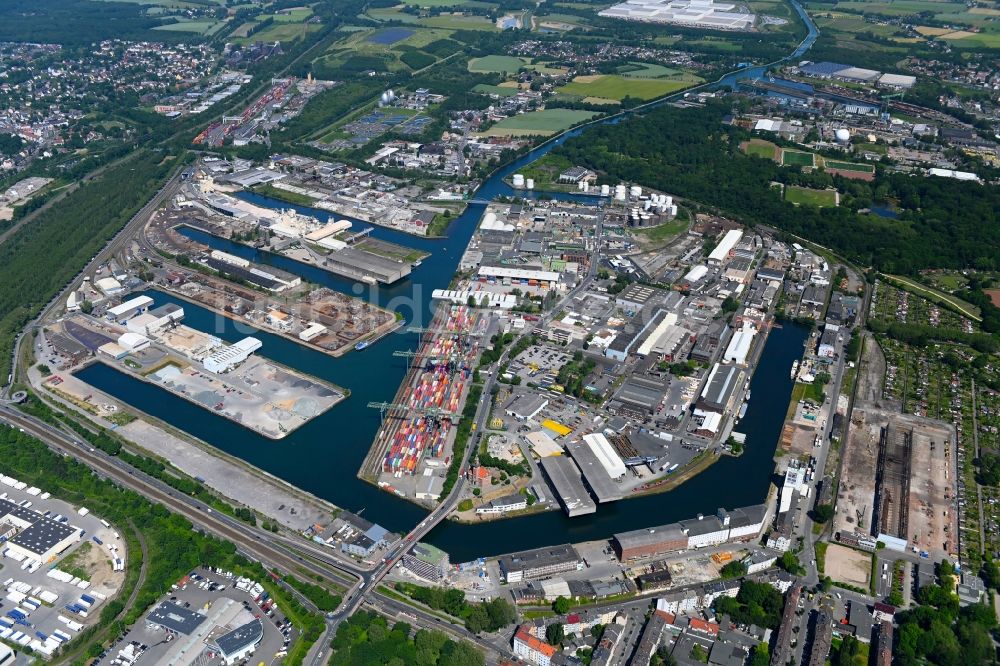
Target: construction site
x=898 y=477
x=413 y=447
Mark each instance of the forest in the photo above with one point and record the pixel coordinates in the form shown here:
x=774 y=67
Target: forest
x=692 y=154
x=366 y=639
x=44 y=255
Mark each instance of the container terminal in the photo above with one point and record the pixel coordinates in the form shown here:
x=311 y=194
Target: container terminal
x=413 y=446
x=230 y=380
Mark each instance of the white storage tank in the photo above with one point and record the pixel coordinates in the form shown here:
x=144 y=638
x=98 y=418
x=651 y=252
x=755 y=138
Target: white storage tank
x=531 y=183
x=605 y=190
x=620 y=192
x=635 y=191
x=582 y=186
x=518 y=180
x=586 y=186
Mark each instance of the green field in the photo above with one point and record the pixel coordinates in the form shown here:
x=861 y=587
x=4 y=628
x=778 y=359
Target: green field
x=619 y=87
x=645 y=70
x=207 y=27
x=849 y=166
x=797 y=158
x=759 y=148
x=810 y=197
x=487 y=89
x=281 y=32
x=539 y=123
x=292 y=15
x=495 y=64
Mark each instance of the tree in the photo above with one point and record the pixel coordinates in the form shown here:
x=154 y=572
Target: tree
x=733 y=570
x=822 y=513
x=698 y=653
x=554 y=634
x=760 y=655
x=790 y=563
x=86 y=307
x=561 y=605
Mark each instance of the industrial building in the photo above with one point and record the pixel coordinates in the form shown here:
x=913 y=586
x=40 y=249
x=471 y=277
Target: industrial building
x=353 y=262
x=271 y=279
x=594 y=467
x=39 y=537
x=120 y=313
x=720 y=388
x=635 y=296
x=739 y=345
x=175 y=618
x=722 y=251
x=639 y=396
x=565 y=478
x=426 y=561
x=312 y=331
x=725 y=526
x=505 y=504
x=241 y=642
x=227 y=358
x=539 y=562
x=693 y=13
x=529 y=277
x=154 y=321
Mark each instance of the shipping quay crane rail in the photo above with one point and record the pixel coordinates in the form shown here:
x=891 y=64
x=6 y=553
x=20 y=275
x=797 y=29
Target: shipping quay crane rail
x=384 y=407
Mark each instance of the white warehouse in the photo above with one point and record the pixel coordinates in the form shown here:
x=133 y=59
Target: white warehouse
x=606 y=454
x=739 y=346
x=227 y=358
x=725 y=246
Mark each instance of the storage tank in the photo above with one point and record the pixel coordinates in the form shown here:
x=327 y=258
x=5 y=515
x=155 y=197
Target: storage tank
x=530 y=183
x=635 y=191
x=582 y=186
x=843 y=135
x=605 y=190
x=586 y=186
x=620 y=192
x=647 y=204
x=518 y=180
x=673 y=210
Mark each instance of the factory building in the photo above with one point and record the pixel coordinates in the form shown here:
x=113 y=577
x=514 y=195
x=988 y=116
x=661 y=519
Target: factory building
x=720 y=388
x=566 y=479
x=227 y=358
x=649 y=542
x=692 y=13
x=109 y=286
x=132 y=342
x=595 y=473
x=120 y=313
x=539 y=563
x=271 y=279
x=722 y=251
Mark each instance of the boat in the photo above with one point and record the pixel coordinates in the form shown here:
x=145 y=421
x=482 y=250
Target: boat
x=360 y=346
x=417 y=263
x=743 y=411
x=795 y=367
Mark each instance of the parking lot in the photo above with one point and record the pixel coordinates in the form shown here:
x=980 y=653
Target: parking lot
x=38 y=596
x=224 y=606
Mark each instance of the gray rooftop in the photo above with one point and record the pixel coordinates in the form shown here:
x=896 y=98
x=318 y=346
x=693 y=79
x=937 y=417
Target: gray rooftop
x=240 y=637
x=604 y=488
x=539 y=558
x=42 y=535
x=565 y=478
x=175 y=618
x=650 y=536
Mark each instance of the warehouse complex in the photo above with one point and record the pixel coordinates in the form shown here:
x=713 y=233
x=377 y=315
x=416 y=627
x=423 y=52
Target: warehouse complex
x=37 y=536
x=695 y=13
x=539 y=562
x=744 y=524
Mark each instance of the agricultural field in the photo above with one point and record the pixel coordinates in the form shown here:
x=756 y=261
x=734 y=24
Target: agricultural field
x=448 y=22
x=539 y=123
x=496 y=64
x=615 y=87
x=810 y=197
x=646 y=70
x=848 y=166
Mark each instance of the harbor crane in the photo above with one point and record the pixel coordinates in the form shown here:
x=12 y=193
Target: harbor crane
x=436 y=412
x=411 y=356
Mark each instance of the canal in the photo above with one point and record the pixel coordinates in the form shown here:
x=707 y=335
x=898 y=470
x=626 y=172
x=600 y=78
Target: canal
x=323 y=456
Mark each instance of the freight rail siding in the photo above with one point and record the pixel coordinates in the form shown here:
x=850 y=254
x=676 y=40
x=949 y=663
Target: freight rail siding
x=429 y=400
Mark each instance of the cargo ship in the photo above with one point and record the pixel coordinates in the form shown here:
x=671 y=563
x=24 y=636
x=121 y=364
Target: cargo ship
x=360 y=346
